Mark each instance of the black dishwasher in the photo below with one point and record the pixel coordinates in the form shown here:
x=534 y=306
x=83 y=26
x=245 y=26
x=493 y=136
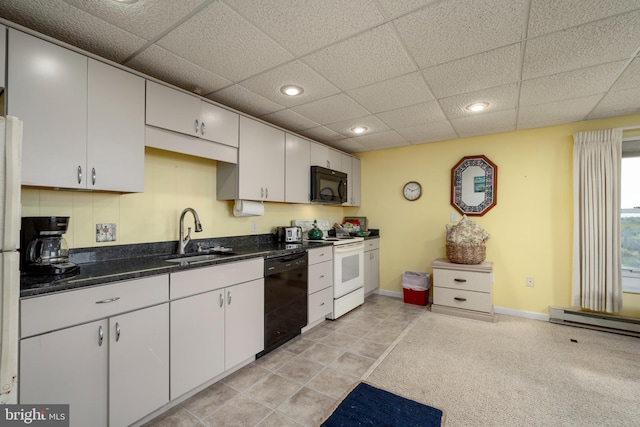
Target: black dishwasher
x=285 y=299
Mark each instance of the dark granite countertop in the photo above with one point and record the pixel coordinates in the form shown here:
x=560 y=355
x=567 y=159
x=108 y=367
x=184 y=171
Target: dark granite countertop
x=100 y=266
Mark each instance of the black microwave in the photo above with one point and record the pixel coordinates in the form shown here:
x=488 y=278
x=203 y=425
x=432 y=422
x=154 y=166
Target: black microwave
x=328 y=186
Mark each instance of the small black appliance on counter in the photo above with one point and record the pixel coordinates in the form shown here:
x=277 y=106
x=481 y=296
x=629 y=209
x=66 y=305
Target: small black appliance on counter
x=43 y=250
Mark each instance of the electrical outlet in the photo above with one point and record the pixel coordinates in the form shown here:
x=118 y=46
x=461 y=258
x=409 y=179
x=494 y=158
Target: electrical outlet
x=530 y=281
x=254 y=226
x=454 y=217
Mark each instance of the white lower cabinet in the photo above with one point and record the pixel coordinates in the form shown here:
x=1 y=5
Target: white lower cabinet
x=111 y=371
x=320 y=300
x=217 y=321
x=371 y=265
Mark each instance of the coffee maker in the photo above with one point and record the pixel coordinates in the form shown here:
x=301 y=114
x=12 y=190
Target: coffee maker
x=43 y=250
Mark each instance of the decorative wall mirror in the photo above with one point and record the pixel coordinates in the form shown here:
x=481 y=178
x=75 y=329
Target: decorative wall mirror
x=474 y=181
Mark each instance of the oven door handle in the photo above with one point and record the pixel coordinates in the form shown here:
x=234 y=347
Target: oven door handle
x=349 y=247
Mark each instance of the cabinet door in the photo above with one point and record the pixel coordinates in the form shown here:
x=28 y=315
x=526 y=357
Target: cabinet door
x=354 y=182
x=218 y=124
x=197 y=340
x=322 y=155
x=244 y=322
x=138 y=364
x=260 y=162
x=49 y=93
x=115 y=150
x=68 y=366
x=371 y=271
x=346 y=168
x=298 y=169
x=173 y=110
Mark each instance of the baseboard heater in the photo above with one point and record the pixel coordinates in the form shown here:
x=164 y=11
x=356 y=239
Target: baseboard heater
x=601 y=322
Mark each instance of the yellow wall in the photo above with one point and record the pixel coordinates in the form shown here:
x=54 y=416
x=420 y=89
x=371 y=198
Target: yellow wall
x=172 y=183
x=531 y=226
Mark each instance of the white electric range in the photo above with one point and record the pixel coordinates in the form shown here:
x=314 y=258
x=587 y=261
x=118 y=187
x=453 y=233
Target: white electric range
x=348 y=267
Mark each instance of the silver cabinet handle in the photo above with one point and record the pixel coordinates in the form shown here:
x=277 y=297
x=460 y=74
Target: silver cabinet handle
x=79 y=174
x=266 y=193
x=202 y=128
x=322 y=276
x=108 y=300
x=228 y=297
x=93 y=176
x=100 y=336
x=221 y=300
x=328 y=164
x=460 y=280
x=197 y=126
x=321 y=304
x=459 y=299
x=117 y=331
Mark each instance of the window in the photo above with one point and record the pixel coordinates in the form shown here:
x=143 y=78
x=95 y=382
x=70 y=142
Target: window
x=630 y=215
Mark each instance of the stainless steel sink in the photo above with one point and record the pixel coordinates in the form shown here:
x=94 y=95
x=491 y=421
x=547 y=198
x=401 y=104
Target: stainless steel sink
x=195 y=258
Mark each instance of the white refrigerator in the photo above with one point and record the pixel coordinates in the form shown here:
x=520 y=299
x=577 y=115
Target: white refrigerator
x=10 y=166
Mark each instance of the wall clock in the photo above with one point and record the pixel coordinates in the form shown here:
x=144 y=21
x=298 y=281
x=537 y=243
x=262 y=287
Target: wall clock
x=412 y=190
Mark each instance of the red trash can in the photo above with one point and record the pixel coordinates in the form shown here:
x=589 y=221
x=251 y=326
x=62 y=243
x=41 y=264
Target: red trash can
x=415 y=287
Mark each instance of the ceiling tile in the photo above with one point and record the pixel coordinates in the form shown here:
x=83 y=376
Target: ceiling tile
x=268 y=84
x=591 y=44
x=364 y=59
x=307 y=25
x=348 y=145
x=572 y=84
x=289 y=119
x=243 y=100
x=494 y=68
x=413 y=116
x=372 y=123
x=501 y=98
x=618 y=103
x=436 y=131
x=630 y=78
x=395 y=8
x=64 y=22
x=333 y=109
x=573 y=110
x=501 y=121
x=453 y=29
x=381 y=140
x=221 y=31
x=321 y=134
x=547 y=16
x=394 y=93
x=164 y=65
x=147 y=19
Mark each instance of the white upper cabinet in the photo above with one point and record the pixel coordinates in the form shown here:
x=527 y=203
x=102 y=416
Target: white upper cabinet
x=115 y=149
x=298 y=169
x=180 y=112
x=3 y=56
x=47 y=89
x=259 y=174
x=355 y=182
x=322 y=155
x=83 y=120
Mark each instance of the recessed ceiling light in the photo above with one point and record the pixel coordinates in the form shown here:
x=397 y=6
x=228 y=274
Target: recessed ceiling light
x=291 y=90
x=477 y=106
x=359 y=129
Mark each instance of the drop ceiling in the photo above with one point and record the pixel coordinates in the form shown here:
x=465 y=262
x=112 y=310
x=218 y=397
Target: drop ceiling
x=404 y=69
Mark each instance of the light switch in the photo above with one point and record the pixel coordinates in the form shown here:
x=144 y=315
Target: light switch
x=454 y=217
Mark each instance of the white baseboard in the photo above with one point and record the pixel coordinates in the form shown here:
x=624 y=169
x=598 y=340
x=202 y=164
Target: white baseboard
x=521 y=313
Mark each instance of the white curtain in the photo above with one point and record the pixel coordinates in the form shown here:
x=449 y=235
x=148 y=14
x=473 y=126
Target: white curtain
x=597 y=280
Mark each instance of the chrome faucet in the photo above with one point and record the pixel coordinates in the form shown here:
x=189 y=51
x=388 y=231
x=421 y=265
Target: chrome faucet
x=184 y=241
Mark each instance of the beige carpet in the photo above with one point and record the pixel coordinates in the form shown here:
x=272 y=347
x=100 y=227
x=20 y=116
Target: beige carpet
x=515 y=372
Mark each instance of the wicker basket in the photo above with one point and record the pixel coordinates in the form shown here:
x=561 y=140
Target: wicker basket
x=466 y=253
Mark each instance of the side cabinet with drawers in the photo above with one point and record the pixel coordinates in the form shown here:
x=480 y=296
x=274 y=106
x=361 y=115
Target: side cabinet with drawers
x=463 y=289
x=320 y=284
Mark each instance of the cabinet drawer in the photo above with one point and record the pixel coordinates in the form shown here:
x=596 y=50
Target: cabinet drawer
x=464 y=280
x=198 y=280
x=320 y=276
x=320 y=254
x=371 y=244
x=320 y=304
x=478 y=301
x=47 y=313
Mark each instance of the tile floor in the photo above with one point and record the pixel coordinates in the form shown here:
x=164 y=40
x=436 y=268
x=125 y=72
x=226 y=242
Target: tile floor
x=299 y=383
